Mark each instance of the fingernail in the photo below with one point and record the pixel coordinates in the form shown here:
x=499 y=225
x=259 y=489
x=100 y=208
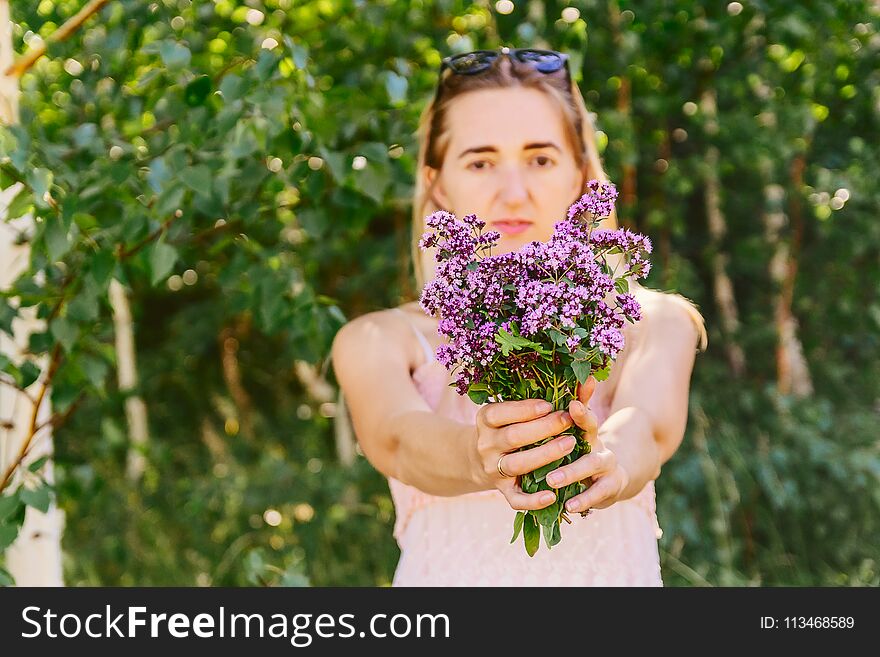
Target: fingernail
x=566 y=443
x=548 y=498
x=554 y=478
x=571 y=507
x=543 y=407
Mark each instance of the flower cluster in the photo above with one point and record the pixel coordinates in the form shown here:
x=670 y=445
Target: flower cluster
x=562 y=284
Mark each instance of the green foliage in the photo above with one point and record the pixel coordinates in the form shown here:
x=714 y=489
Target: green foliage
x=161 y=145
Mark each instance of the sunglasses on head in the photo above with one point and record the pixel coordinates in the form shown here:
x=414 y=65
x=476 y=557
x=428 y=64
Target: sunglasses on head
x=471 y=63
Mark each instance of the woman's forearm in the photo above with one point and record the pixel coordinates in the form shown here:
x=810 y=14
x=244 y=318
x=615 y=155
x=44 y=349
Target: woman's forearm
x=436 y=454
x=627 y=433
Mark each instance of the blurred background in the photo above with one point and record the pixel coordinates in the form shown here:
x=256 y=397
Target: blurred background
x=199 y=193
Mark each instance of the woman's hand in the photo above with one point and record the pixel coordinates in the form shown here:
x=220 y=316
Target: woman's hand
x=504 y=427
x=600 y=466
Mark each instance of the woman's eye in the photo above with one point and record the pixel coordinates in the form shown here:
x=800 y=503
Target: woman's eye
x=473 y=165
x=544 y=161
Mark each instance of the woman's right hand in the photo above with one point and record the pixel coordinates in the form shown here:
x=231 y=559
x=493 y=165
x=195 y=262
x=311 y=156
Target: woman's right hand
x=503 y=428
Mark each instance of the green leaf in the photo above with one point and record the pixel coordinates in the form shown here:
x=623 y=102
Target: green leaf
x=40 y=181
x=100 y=268
x=174 y=55
x=373 y=180
x=95 y=370
x=84 y=306
x=8 y=533
x=36 y=465
x=171 y=199
x=65 y=331
x=567 y=493
x=162 y=259
x=581 y=370
x=518 y=524
x=7 y=314
x=602 y=374
x=6 y=578
x=17 y=145
x=552 y=535
x=8 y=506
x=267 y=62
x=243 y=141
x=548 y=532
x=21 y=204
x=541 y=473
x=547 y=515
x=478 y=393
x=38 y=498
x=621 y=285
x=232 y=87
x=531 y=534
x=529 y=484
x=197 y=178
x=197 y=91
x=557 y=337
x=29 y=373
x=509 y=342
x=57 y=238
x=336 y=163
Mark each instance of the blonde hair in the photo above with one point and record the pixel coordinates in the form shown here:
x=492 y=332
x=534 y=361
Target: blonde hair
x=433 y=140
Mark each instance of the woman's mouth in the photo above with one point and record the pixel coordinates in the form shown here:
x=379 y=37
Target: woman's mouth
x=511 y=226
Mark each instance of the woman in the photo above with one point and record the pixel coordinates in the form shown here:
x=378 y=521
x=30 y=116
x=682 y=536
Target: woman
x=508 y=137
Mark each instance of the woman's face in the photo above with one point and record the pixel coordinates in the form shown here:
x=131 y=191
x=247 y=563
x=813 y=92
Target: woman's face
x=508 y=162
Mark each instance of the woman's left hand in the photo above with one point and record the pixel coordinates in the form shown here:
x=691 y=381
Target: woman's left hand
x=600 y=465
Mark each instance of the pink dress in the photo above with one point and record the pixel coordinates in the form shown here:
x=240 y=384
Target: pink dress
x=465 y=540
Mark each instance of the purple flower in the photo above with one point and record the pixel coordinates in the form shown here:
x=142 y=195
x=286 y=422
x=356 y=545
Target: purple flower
x=629 y=306
x=599 y=201
x=608 y=339
x=490 y=305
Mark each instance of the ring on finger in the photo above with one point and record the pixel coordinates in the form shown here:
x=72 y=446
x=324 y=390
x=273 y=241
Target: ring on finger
x=501 y=469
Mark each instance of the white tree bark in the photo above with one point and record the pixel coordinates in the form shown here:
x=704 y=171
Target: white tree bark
x=126 y=365
x=724 y=292
x=793 y=375
x=34 y=559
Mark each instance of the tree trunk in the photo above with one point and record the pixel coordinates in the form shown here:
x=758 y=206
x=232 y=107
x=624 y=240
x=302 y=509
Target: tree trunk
x=792 y=373
x=127 y=377
x=723 y=286
x=34 y=559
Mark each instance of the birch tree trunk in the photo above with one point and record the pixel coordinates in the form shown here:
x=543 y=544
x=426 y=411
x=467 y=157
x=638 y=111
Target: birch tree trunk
x=34 y=559
x=723 y=286
x=792 y=373
x=135 y=408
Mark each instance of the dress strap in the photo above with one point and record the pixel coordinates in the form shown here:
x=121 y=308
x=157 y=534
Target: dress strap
x=429 y=352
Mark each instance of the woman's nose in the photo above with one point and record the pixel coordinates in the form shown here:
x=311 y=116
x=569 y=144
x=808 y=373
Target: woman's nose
x=513 y=187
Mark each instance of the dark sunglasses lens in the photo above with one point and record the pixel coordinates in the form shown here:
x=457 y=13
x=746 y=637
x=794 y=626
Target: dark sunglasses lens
x=545 y=61
x=472 y=62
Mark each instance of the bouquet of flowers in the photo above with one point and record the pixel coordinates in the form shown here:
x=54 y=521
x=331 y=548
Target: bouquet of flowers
x=536 y=322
